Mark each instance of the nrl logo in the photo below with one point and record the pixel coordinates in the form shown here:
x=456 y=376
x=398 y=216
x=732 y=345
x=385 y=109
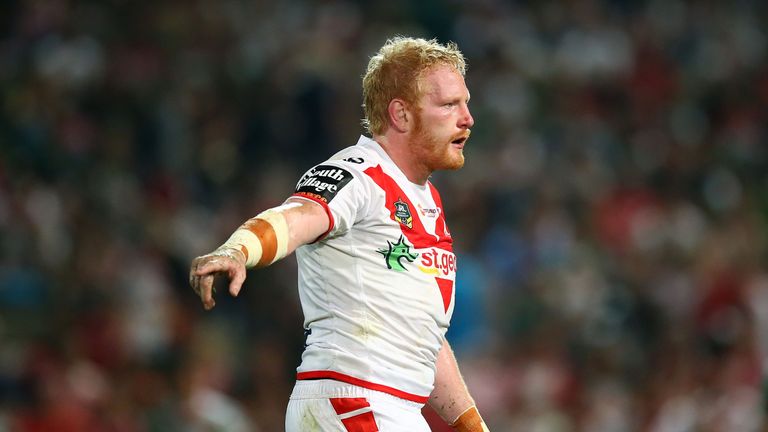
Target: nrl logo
x=395 y=252
x=403 y=213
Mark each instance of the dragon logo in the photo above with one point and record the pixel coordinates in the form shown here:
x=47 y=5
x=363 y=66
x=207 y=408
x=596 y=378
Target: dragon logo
x=395 y=252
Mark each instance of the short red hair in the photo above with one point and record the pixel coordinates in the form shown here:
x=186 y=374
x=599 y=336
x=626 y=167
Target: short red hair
x=396 y=71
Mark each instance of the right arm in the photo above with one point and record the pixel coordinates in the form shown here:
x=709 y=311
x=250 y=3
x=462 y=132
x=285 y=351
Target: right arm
x=259 y=242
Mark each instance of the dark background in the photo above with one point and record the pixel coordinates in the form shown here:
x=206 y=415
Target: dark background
x=610 y=221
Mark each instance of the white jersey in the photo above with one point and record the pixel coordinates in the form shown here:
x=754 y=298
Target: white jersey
x=377 y=289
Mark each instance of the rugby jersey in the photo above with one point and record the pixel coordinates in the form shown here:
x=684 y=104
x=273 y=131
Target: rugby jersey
x=377 y=290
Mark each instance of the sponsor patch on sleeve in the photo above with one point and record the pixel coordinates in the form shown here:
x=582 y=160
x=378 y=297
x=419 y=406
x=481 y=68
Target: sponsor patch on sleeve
x=323 y=182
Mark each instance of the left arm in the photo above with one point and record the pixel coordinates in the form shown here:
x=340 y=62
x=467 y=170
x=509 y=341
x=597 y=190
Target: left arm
x=450 y=398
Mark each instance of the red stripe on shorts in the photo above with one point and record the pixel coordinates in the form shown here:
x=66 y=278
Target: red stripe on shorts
x=363 y=422
x=345 y=405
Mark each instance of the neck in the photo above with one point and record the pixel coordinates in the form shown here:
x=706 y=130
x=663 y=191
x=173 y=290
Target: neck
x=399 y=150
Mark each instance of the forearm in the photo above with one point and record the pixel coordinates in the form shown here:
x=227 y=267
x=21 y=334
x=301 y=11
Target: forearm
x=258 y=242
x=450 y=398
x=277 y=232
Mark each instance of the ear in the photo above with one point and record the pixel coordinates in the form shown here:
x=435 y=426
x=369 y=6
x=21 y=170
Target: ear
x=399 y=116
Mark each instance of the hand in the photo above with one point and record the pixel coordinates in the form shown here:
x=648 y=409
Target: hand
x=205 y=268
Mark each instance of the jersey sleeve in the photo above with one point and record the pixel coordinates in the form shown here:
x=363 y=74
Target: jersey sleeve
x=339 y=189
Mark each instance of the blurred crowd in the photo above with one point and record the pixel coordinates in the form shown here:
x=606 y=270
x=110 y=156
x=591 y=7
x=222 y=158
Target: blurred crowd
x=610 y=221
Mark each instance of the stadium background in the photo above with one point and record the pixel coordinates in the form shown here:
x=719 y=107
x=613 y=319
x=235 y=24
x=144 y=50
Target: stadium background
x=610 y=221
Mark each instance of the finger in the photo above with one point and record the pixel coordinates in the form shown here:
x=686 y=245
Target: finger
x=237 y=277
x=194 y=282
x=206 y=291
x=193 y=278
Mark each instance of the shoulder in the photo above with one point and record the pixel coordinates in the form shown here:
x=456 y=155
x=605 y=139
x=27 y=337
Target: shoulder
x=357 y=157
x=344 y=166
x=348 y=164
x=347 y=167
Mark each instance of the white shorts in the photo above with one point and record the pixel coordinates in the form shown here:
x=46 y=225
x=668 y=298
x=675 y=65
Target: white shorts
x=333 y=406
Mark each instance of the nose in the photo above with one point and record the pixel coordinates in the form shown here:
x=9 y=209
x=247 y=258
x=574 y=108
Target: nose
x=466 y=120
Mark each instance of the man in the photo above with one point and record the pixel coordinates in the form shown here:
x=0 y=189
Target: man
x=376 y=268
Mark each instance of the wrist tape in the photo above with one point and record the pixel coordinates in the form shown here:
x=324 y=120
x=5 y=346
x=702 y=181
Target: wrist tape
x=470 y=421
x=263 y=239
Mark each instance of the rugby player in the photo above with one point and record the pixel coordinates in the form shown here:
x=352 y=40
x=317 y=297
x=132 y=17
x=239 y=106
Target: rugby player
x=376 y=265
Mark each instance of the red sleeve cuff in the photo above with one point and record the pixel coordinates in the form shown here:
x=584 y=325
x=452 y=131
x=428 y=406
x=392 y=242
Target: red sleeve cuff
x=319 y=200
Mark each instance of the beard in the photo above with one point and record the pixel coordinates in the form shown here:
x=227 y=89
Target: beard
x=435 y=151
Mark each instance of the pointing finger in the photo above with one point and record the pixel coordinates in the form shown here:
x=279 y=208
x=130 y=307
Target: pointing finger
x=206 y=291
x=236 y=283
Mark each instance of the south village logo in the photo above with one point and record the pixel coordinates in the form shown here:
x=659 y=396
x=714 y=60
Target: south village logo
x=403 y=213
x=395 y=252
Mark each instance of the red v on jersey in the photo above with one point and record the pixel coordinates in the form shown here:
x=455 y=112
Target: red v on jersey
x=441 y=228
x=417 y=235
x=446 y=289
